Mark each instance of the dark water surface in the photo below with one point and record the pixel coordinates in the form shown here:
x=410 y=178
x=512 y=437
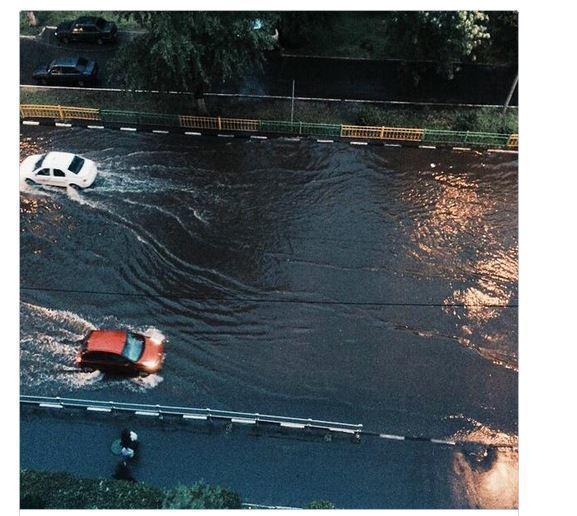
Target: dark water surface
x=369 y=285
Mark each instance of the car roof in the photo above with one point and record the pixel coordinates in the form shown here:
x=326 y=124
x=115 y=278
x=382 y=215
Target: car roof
x=57 y=159
x=109 y=341
x=66 y=61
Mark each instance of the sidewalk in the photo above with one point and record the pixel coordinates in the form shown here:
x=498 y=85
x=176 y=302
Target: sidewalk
x=271 y=469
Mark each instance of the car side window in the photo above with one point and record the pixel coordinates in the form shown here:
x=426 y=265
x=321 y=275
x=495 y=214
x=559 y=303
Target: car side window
x=58 y=173
x=43 y=172
x=68 y=70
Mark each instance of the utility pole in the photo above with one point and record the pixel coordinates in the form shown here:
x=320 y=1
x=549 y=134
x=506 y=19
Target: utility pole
x=293 y=103
x=510 y=94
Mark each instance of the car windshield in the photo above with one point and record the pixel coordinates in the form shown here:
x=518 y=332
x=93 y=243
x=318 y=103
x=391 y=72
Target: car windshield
x=133 y=346
x=100 y=23
x=39 y=162
x=82 y=62
x=76 y=164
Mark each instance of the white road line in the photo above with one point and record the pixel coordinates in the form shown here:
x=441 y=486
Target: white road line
x=325 y=141
x=389 y=436
x=30 y=122
x=61 y=124
x=257 y=137
x=95 y=126
x=128 y=128
x=427 y=147
x=292 y=425
x=158 y=131
x=226 y=135
x=99 y=409
x=442 y=441
x=243 y=421
x=50 y=405
x=194 y=416
x=288 y=139
x=392 y=145
x=344 y=430
x=503 y=151
x=359 y=143
x=145 y=413
x=462 y=148
x=192 y=133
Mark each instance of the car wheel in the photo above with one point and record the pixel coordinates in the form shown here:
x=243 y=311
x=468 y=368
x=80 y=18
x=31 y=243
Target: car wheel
x=29 y=181
x=73 y=186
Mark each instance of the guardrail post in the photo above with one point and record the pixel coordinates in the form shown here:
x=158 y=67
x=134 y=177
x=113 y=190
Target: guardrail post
x=219 y=123
x=300 y=128
x=61 y=112
x=382 y=135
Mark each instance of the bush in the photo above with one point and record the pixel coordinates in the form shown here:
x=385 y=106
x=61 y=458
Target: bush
x=320 y=504
x=40 y=489
x=201 y=496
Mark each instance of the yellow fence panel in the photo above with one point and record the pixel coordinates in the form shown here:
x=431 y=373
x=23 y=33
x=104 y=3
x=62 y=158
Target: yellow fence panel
x=381 y=133
x=80 y=113
x=238 y=124
x=60 y=112
x=199 y=122
x=513 y=142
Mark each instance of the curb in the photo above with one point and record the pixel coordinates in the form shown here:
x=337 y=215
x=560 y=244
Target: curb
x=163 y=130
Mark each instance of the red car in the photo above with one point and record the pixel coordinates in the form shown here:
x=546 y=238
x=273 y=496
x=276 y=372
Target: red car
x=121 y=351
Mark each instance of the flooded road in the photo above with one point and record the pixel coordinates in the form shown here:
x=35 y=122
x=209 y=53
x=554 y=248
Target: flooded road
x=370 y=285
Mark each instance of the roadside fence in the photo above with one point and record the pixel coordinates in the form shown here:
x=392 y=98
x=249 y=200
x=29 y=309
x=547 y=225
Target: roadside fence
x=278 y=127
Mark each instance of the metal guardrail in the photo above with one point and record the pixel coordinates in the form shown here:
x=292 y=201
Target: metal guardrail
x=190 y=413
x=272 y=126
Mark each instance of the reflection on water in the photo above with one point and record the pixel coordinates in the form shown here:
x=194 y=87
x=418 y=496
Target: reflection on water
x=458 y=220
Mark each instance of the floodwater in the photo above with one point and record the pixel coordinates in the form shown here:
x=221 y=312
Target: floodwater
x=372 y=285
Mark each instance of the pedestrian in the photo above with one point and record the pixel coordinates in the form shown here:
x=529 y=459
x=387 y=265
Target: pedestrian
x=122 y=472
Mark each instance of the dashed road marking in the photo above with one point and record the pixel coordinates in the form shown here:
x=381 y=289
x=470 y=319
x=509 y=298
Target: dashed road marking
x=30 y=122
x=504 y=151
x=391 y=436
x=95 y=126
x=159 y=131
x=427 y=146
x=462 y=148
x=325 y=141
x=258 y=137
x=128 y=128
x=145 y=413
x=225 y=135
x=192 y=133
x=392 y=144
x=359 y=143
x=99 y=409
x=62 y=124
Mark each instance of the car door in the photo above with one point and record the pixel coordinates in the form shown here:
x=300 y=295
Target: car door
x=42 y=176
x=59 y=177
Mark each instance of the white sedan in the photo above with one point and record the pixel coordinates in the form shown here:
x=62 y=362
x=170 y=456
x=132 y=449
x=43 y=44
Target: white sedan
x=59 y=169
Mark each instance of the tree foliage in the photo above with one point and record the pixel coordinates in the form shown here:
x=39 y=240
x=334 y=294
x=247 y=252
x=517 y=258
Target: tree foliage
x=201 y=496
x=446 y=37
x=41 y=489
x=320 y=504
x=190 y=50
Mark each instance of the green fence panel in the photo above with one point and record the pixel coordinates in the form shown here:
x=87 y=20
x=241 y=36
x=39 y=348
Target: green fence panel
x=134 y=117
x=277 y=126
x=464 y=137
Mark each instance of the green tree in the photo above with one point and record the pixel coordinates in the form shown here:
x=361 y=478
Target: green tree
x=201 y=496
x=446 y=37
x=189 y=51
x=320 y=504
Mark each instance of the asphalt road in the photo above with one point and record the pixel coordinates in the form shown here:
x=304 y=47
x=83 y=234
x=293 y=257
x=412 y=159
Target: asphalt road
x=274 y=469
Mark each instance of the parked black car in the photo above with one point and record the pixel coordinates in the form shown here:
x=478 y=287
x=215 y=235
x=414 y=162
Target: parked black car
x=66 y=71
x=88 y=29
